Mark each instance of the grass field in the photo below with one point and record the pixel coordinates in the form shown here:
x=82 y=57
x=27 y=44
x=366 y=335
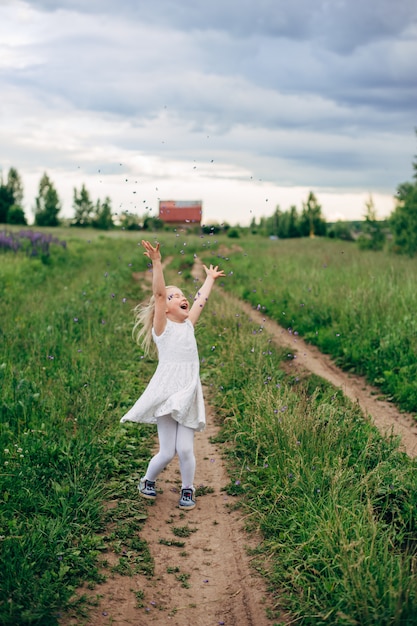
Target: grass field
x=357 y=306
x=335 y=501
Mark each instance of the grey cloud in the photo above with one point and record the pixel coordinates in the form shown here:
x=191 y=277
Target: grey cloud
x=341 y=26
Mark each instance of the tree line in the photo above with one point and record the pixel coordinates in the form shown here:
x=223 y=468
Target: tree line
x=400 y=227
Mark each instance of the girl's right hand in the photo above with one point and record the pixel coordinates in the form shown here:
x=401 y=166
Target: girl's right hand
x=152 y=253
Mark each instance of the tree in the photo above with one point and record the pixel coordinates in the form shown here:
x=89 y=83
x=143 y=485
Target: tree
x=83 y=207
x=11 y=196
x=403 y=220
x=373 y=236
x=15 y=186
x=6 y=201
x=130 y=221
x=103 y=218
x=289 y=224
x=47 y=203
x=16 y=215
x=312 y=222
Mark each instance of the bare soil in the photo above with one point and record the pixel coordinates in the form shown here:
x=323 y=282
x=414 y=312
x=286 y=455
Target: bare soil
x=210 y=580
x=385 y=415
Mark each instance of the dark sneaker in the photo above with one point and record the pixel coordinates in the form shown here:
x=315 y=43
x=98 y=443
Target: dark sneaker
x=147 y=488
x=187 y=498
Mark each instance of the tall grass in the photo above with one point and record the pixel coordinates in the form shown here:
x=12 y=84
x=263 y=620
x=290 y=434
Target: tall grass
x=67 y=369
x=356 y=305
x=334 y=500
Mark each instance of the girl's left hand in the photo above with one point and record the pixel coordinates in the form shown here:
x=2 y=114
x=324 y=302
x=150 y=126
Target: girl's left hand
x=214 y=272
x=152 y=253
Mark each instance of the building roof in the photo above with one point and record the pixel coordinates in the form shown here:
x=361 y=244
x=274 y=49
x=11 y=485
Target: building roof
x=187 y=211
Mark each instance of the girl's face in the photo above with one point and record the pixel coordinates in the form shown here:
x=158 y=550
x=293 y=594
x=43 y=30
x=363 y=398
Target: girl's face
x=178 y=306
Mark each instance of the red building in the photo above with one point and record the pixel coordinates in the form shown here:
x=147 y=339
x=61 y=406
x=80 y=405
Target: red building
x=181 y=212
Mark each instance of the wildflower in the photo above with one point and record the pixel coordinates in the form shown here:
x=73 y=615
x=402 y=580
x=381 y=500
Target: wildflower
x=6 y=450
x=237 y=482
x=75 y=319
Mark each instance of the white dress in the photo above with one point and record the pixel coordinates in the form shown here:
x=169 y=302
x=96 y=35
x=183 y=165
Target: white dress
x=175 y=388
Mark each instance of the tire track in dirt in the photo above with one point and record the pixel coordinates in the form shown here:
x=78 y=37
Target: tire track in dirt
x=386 y=416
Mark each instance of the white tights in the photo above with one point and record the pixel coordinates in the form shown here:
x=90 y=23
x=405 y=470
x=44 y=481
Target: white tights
x=174 y=438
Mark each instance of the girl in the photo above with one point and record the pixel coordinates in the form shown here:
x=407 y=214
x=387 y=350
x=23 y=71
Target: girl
x=173 y=398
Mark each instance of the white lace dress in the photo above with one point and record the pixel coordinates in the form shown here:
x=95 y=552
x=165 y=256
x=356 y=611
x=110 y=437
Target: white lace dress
x=175 y=388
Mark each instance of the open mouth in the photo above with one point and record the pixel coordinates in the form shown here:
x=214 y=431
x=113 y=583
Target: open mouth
x=184 y=306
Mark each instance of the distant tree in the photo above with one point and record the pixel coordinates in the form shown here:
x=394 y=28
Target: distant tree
x=47 y=203
x=312 y=222
x=403 y=220
x=340 y=230
x=373 y=236
x=16 y=215
x=272 y=223
x=15 y=186
x=130 y=221
x=83 y=207
x=289 y=225
x=103 y=217
x=152 y=223
x=11 y=195
x=6 y=201
x=253 y=227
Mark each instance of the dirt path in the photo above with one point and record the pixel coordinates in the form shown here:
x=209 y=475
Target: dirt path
x=209 y=579
x=205 y=582
x=385 y=415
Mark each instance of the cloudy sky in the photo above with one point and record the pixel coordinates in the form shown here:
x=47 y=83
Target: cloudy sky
x=243 y=104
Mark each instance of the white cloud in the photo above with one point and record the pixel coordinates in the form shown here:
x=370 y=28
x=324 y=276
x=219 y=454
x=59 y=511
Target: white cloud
x=227 y=102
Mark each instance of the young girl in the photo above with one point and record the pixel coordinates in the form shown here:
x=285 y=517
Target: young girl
x=173 y=398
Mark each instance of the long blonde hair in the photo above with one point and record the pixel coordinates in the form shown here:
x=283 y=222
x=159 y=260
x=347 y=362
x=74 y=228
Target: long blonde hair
x=142 y=329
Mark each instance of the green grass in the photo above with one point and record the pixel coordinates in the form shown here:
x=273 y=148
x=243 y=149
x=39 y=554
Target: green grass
x=357 y=306
x=68 y=368
x=335 y=502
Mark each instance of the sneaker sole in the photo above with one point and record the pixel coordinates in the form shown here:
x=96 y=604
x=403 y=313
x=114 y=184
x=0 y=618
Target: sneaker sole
x=145 y=495
x=186 y=507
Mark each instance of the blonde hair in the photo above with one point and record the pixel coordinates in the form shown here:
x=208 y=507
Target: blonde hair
x=142 y=329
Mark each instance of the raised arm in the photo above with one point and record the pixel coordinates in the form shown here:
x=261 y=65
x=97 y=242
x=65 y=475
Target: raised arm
x=201 y=297
x=158 y=286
